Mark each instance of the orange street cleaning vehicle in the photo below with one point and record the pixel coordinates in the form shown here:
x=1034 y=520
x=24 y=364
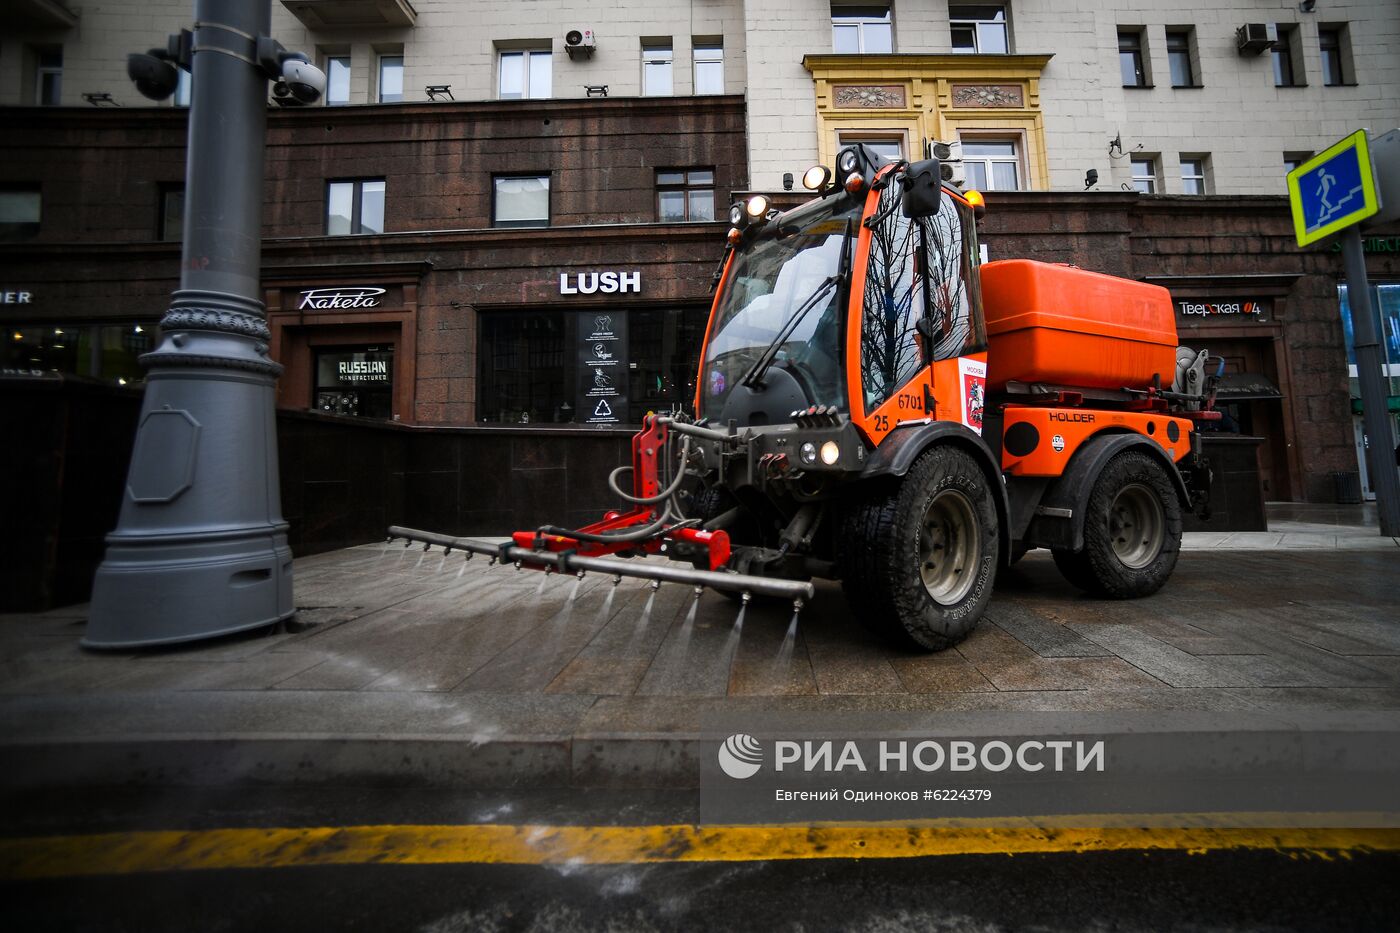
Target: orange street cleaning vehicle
x=876 y=406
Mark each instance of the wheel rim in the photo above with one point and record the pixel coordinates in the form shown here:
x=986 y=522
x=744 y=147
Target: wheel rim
x=949 y=547
x=1136 y=526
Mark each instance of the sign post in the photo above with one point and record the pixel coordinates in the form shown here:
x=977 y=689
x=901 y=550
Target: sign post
x=1334 y=192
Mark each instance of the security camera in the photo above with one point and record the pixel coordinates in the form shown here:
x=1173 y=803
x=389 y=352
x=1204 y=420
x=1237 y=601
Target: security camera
x=302 y=81
x=154 y=77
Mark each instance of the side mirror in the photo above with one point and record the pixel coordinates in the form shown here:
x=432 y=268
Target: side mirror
x=923 y=188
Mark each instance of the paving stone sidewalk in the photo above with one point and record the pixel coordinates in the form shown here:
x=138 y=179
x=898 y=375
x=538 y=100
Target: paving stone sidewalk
x=393 y=646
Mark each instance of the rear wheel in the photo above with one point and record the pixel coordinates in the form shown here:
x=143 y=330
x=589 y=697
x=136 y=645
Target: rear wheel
x=919 y=558
x=1132 y=530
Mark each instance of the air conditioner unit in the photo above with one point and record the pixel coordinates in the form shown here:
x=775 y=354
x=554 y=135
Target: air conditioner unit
x=579 y=42
x=1255 y=38
x=950 y=155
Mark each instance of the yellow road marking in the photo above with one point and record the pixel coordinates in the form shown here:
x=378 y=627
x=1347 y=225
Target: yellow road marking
x=189 y=850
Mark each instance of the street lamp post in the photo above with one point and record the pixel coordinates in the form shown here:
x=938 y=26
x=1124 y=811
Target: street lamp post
x=200 y=548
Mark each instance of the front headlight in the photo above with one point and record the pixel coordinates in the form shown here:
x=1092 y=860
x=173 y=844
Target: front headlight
x=831 y=452
x=808 y=452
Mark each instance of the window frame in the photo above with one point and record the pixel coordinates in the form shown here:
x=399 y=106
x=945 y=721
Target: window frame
x=1290 y=37
x=19 y=230
x=379 y=95
x=330 y=63
x=522 y=224
x=42 y=71
x=527 y=54
x=1141 y=67
x=706 y=46
x=1201 y=176
x=1153 y=178
x=975 y=23
x=874 y=137
x=357 y=194
x=167 y=190
x=652 y=49
x=862 y=20
x=1340 y=55
x=1181 y=50
x=687 y=186
x=1017 y=160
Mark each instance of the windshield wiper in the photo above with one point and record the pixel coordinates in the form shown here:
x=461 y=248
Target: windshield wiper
x=754 y=376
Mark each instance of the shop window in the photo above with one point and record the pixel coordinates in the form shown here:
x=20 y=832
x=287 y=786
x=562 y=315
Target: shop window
x=525 y=74
x=1193 y=174
x=1131 y=61
x=110 y=352
x=656 y=68
x=709 y=65
x=391 y=78
x=979 y=28
x=355 y=206
x=1144 y=174
x=1287 y=56
x=338 y=80
x=355 y=381
x=520 y=201
x=862 y=29
x=171 y=225
x=1385 y=311
x=531 y=369
x=992 y=164
x=1334 y=44
x=48 y=75
x=1181 y=57
x=685 y=194
x=20 y=208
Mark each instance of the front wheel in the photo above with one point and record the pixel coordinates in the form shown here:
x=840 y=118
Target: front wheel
x=1132 y=530
x=919 y=559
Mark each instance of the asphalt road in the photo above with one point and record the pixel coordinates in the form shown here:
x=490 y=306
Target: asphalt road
x=1225 y=890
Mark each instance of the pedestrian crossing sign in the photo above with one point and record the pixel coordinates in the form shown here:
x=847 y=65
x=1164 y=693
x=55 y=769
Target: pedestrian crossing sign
x=1333 y=190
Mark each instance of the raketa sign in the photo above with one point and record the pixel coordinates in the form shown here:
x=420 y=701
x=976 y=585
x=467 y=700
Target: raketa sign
x=340 y=299
x=607 y=283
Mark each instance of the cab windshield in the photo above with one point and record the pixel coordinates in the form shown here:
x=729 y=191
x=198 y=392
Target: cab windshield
x=788 y=263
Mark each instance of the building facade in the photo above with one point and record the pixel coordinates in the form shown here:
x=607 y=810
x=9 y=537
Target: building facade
x=507 y=214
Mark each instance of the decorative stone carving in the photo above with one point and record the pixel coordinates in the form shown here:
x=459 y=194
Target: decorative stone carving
x=885 y=96
x=988 y=95
x=216 y=319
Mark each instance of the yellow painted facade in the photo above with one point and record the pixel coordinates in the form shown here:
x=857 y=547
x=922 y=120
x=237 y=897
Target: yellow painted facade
x=911 y=98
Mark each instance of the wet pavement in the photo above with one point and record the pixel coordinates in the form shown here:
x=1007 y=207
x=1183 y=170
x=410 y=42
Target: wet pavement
x=394 y=644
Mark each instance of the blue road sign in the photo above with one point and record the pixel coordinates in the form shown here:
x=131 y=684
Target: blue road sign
x=1333 y=190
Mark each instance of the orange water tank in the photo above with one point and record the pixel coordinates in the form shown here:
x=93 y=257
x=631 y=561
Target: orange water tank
x=1064 y=326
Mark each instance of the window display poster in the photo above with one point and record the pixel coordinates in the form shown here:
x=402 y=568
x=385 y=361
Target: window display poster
x=603 y=369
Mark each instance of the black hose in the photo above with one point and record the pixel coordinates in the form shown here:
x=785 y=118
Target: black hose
x=637 y=534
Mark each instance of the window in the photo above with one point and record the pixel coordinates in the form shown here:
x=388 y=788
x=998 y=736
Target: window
x=355 y=381
x=1179 y=55
x=19 y=212
x=1145 y=174
x=980 y=29
x=182 y=88
x=1288 y=65
x=1193 y=175
x=355 y=207
x=685 y=194
x=1130 y=60
x=1336 y=64
x=528 y=73
x=862 y=29
x=887 y=147
x=111 y=352
x=390 y=79
x=48 y=76
x=709 y=66
x=992 y=164
x=1292 y=160
x=338 y=80
x=656 y=69
x=171 y=225
x=520 y=201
